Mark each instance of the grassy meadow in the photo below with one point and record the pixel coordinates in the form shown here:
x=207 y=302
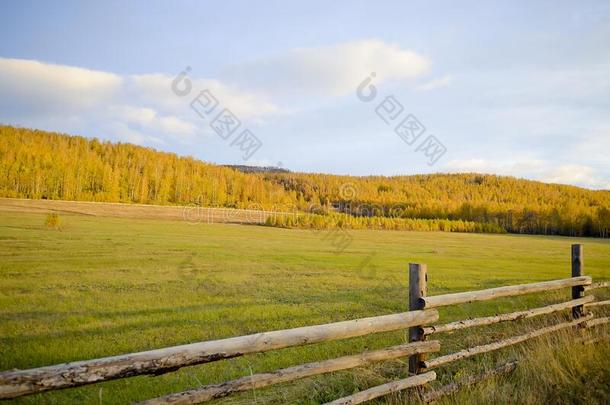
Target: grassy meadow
x=100 y=286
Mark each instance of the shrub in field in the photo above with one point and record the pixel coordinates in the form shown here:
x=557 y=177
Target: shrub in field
x=52 y=221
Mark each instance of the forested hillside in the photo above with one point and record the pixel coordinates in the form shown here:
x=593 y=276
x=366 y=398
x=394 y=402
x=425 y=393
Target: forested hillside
x=517 y=205
x=37 y=164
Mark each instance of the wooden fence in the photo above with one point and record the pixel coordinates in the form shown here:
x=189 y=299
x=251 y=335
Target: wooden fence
x=420 y=318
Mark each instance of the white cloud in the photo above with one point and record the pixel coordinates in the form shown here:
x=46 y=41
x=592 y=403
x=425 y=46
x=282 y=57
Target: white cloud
x=139 y=109
x=40 y=88
x=594 y=144
x=129 y=134
x=143 y=109
x=575 y=174
x=488 y=166
x=149 y=119
x=436 y=83
x=333 y=70
x=155 y=88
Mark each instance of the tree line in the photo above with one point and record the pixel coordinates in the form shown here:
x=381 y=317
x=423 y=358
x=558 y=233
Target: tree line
x=516 y=205
x=345 y=221
x=43 y=165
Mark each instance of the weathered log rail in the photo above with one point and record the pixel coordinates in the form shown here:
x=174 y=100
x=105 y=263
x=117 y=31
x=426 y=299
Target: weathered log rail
x=462 y=354
x=597 y=304
x=513 y=316
x=25 y=382
x=16 y=383
x=508 y=291
x=594 y=286
x=216 y=391
x=385 y=389
x=455 y=386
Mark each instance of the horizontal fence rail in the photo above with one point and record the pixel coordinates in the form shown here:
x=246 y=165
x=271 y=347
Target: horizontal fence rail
x=507 y=291
x=597 y=304
x=386 y=389
x=513 y=316
x=216 y=391
x=596 y=322
x=455 y=386
x=24 y=382
x=594 y=286
x=438 y=361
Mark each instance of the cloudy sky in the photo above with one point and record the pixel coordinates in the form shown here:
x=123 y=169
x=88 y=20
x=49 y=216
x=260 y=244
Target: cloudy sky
x=516 y=88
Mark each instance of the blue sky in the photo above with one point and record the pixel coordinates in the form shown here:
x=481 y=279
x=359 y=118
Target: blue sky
x=514 y=88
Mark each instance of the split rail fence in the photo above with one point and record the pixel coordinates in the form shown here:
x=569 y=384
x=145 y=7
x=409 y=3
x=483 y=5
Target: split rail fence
x=420 y=320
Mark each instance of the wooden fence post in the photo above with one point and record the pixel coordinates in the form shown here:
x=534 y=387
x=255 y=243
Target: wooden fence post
x=418 y=288
x=577 y=271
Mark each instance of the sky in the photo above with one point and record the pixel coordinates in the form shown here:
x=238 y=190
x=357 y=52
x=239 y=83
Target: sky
x=346 y=87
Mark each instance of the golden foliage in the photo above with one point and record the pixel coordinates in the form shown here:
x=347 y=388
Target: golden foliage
x=41 y=165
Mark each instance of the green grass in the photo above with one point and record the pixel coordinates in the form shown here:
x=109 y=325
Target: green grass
x=105 y=286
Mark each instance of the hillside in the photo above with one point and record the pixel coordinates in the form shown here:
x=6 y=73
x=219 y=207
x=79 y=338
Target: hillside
x=517 y=205
x=42 y=165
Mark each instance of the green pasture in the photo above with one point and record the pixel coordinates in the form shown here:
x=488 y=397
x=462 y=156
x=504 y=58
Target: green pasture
x=105 y=286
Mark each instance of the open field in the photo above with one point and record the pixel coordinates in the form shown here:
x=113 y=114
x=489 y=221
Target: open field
x=190 y=213
x=103 y=285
